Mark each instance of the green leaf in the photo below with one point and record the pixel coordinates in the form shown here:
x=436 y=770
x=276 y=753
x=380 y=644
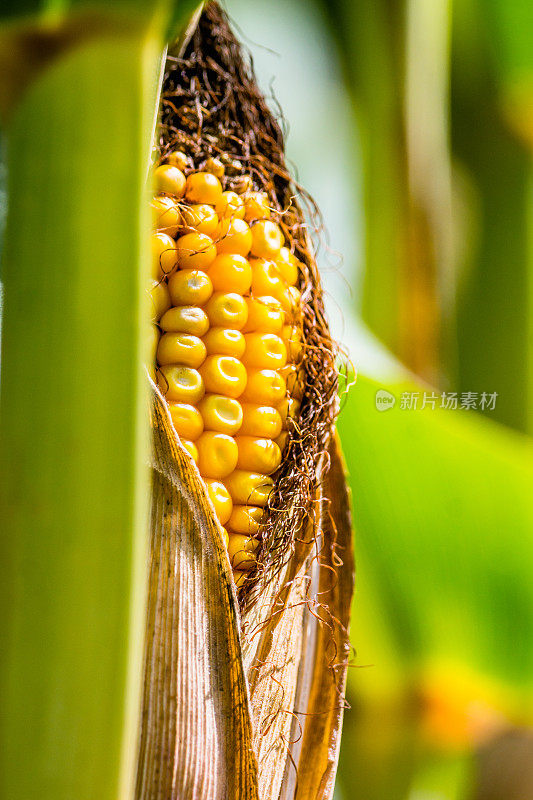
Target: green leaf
x=444 y=520
x=73 y=485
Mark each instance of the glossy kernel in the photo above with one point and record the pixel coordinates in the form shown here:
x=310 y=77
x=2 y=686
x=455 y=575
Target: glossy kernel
x=166 y=215
x=201 y=217
x=282 y=440
x=183 y=384
x=264 y=314
x=217 y=454
x=170 y=179
x=288 y=264
x=267 y=239
x=256 y=206
x=220 y=413
x=185 y=319
x=224 y=342
x=195 y=251
x=231 y=272
x=262 y=421
x=164 y=255
x=159 y=300
x=291 y=301
x=249 y=488
x=227 y=310
x=203 y=187
x=293 y=342
x=215 y=166
x=266 y=279
x=294 y=378
x=191 y=449
x=181 y=348
x=264 y=351
x=258 y=455
x=234 y=236
x=288 y=408
x=221 y=499
x=241 y=551
x=187 y=420
x=224 y=375
x=230 y=205
x=190 y=288
x=178 y=159
x=264 y=387
x=246 y=519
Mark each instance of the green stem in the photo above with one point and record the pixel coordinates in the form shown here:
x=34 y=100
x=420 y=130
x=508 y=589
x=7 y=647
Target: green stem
x=73 y=481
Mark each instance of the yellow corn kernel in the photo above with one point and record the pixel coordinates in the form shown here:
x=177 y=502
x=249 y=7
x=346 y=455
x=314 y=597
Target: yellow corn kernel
x=215 y=166
x=230 y=205
x=264 y=314
x=183 y=384
x=246 y=519
x=227 y=310
x=231 y=273
x=266 y=279
x=224 y=342
x=195 y=251
x=294 y=378
x=191 y=449
x=264 y=387
x=217 y=454
x=178 y=159
x=234 y=236
x=249 y=488
x=241 y=551
x=187 y=420
x=185 y=319
x=291 y=301
x=166 y=215
x=258 y=455
x=170 y=179
x=256 y=206
x=221 y=499
x=203 y=187
x=152 y=332
x=190 y=288
x=264 y=351
x=288 y=265
x=282 y=440
x=220 y=413
x=164 y=255
x=290 y=407
x=239 y=576
x=262 y=421
x=267 y=239
x=201 y=217
x=293 y=342
x=159 y=299
x=181 y=348
x=224 y=375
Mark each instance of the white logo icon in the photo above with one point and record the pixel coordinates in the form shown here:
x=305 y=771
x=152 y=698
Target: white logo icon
x=384 y=400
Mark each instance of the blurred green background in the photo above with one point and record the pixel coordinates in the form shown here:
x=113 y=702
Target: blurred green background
x=411 y=123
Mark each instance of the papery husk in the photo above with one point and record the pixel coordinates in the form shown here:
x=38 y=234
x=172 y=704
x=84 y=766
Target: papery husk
x=196 y=732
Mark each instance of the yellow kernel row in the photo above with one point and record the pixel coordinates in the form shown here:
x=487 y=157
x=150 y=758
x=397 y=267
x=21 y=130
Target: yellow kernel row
x=225 y=300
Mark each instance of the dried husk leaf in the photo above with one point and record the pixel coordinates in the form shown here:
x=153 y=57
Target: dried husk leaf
x=196 y=735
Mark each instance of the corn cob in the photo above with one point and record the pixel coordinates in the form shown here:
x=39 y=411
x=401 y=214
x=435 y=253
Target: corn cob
x=226 y=338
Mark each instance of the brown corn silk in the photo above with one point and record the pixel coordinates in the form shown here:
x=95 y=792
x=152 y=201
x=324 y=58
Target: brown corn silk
x=244 y=697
